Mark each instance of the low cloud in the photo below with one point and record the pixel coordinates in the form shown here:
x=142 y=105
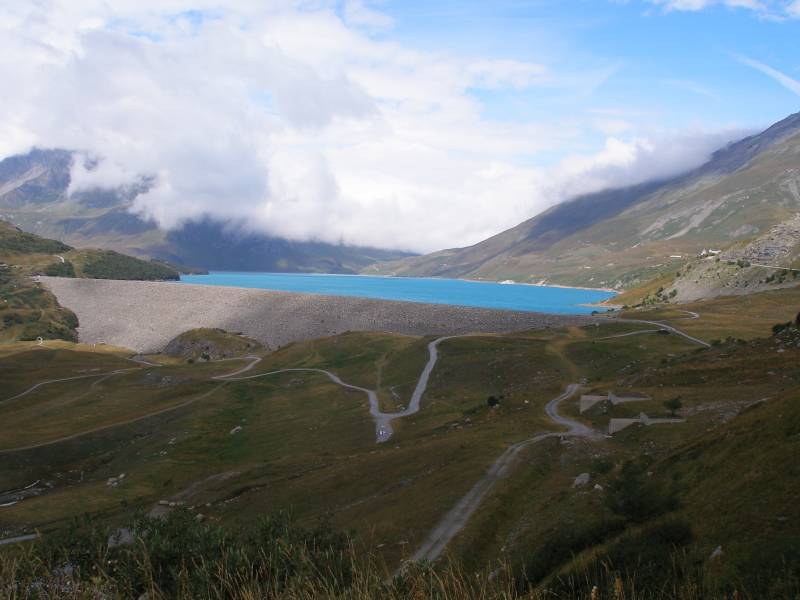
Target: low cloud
x=294 y=119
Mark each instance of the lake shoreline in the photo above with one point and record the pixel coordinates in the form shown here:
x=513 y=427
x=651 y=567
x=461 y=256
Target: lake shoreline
x=551 y=299
x=144 y=316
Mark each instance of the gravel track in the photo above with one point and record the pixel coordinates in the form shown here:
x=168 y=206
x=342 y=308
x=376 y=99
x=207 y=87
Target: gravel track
x=383 y=420
x=455 y=520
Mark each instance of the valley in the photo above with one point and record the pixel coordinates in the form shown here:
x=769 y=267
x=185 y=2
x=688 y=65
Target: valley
x=726 y=227
x=233 y=439
x=390 y=300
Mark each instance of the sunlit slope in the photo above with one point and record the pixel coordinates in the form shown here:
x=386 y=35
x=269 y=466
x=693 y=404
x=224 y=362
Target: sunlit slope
x=237 y=449
x=621 y=238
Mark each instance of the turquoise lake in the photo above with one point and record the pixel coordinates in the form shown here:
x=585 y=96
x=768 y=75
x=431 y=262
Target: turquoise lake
x=457 y=292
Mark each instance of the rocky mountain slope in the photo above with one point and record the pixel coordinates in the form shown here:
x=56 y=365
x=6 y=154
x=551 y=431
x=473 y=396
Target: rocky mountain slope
x=34 y=196
x=622 y=238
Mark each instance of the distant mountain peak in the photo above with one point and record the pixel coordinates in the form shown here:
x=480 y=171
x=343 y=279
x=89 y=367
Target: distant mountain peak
x=34 y=194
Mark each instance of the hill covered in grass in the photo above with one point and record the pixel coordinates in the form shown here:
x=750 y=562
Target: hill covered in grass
x=210 y=344
x=744 y=200
x=699 y=508
x=28 y=310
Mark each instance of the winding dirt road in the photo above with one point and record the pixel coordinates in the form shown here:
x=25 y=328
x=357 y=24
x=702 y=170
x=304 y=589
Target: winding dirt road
x=675 y=330
x=36 y=386
x=383 y=420
x=455 y=520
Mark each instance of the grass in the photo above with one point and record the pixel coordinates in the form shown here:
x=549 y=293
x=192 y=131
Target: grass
x=205 y=344
x=276 y=558
x=16 y=241
x=308 y=445
x=29 y=311
x=729 y=316
x=107 y=264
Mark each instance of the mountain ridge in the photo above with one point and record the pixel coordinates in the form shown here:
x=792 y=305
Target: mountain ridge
x=34 y=195
x=623 y=237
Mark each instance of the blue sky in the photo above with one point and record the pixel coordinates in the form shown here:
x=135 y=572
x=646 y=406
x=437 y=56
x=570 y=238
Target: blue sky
x=667 y=68
x=409 y=124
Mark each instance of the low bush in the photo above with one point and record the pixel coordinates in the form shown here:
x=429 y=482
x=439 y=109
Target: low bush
x=637 y=496
x=60 y=269
x=107 y=264
x=561 y=546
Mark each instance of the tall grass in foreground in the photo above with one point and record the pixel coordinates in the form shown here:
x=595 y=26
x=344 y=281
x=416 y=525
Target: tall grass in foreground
x=179 y=558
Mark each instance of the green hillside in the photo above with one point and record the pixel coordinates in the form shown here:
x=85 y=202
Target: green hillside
x=624 y=238
x=30 y=311
x=656 y=503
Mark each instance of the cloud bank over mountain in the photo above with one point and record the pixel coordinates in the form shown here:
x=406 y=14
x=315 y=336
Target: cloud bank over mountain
x=306 y=120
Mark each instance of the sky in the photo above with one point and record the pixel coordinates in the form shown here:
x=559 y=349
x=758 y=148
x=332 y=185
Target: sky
x=413 y=125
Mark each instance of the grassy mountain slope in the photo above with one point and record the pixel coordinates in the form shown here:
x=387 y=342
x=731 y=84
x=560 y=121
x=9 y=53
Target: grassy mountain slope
x=623 y=238
x=238 y=450
x=34 y=195
x=28 y=310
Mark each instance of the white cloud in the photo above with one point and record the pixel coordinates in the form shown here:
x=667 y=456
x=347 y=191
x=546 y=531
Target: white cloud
x=359 y=14
x=774 y=9
x=790 y=84
x=292 y=118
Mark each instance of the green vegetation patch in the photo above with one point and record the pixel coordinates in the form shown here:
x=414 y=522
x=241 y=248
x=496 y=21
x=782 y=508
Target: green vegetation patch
x=107 y=264
x=60 y=269
x=16 y=241
x=28 y=311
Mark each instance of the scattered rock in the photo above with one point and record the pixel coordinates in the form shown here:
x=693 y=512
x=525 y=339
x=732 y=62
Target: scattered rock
x=207 y=344
x=121 y=537
x=598 y=487
x=581 y=480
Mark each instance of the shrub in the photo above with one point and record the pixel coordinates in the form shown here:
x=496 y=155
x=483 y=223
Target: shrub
x=636 y=496
x=177 y=556
x=673 y=404
x=564 y=543
x=778 y=327
x=107 y=264
x=60 y=269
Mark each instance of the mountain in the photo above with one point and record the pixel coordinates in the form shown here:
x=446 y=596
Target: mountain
x=621 y=238
x=34 y=195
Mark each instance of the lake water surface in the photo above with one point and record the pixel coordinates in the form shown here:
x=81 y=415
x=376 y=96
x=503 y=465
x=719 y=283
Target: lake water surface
x=458 y=292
